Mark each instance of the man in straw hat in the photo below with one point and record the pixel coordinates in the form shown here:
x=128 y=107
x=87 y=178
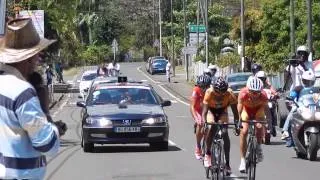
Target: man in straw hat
x=26 y=136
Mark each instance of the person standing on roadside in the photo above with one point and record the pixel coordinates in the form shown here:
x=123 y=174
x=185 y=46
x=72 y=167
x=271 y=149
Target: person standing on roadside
x=168 y=71
x=26 y=136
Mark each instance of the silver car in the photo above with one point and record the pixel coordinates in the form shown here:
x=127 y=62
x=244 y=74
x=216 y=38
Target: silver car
x=237 y=81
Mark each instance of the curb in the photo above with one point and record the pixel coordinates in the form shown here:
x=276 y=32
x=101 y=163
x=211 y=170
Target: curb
x=55 y=102
x=177 y=93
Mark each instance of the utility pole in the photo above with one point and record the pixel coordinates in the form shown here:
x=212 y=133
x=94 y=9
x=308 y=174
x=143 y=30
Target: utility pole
x=153 y=24
x=309 y=9
x=242 y=35
x=207 y=31
x=198 y=19
x=160 y=27
x=292 y=30
x=185 y=38
x=172 y=39
x=2 y=16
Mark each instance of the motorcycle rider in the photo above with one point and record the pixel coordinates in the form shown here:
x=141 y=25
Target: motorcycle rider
x=255 y=68
x=274 y=95
x=216 y=100
x=203 y=82
x=294 y=71
x=252 y=101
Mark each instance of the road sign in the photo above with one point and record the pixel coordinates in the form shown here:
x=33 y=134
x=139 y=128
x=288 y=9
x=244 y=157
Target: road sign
x=189 y=50
x=193 y=38
x=2 y=16
x=194 y=28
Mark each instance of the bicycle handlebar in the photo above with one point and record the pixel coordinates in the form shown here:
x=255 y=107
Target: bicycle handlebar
x=254 y=121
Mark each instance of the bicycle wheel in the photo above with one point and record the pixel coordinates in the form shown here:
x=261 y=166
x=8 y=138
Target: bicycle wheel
x=217 y=161
x=207 y=170
x=253 y=161
x=222 y=172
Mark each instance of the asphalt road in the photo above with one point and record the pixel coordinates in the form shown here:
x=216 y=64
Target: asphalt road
x=138 y=162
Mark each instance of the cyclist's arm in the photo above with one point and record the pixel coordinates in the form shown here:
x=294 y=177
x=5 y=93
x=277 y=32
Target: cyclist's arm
x=235 y=112
x=240 y=105
x=192 y=105
x=205 y=109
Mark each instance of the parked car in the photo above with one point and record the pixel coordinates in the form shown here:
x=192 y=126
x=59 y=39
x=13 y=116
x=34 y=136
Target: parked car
x=237 y=81
x=124 y=112
x=156 y=64
x=85 y=82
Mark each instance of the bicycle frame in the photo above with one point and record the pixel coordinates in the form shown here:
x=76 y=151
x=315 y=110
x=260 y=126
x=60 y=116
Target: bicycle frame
x=251 y=156
x=217 y=151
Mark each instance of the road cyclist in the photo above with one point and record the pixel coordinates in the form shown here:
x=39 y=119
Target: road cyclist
x=252 y=101
x=215 y=103
x=202 y=83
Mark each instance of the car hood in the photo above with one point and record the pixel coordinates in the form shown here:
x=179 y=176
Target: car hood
x=132 y=111
x=84 y=84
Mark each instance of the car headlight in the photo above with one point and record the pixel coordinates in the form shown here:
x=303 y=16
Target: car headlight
x=99 y=121
x=154 y=120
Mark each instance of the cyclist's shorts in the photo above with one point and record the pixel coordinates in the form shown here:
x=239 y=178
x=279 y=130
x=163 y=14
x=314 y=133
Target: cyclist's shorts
x=252 y=113
x=215 y=114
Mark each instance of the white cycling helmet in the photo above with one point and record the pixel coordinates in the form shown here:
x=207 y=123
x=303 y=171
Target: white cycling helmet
x=261 y=75
x=254 y=84
x=302 y=48
x=308 y=78
x=212 y=67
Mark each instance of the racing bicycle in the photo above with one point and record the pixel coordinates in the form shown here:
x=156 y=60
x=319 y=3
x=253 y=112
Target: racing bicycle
x=251 y=154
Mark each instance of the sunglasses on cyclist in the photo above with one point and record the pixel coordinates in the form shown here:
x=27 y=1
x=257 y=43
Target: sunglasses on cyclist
x=255 y=92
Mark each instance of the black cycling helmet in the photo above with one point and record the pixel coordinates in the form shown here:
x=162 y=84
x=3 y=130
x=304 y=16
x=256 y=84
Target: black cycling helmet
x=256 y=68
x=220 y=85
x=203 y=81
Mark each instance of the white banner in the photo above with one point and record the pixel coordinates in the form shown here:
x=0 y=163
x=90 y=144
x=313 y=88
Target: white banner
x=37 y=17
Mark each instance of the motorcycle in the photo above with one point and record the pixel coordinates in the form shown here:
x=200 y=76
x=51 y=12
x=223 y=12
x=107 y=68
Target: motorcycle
x=272 y=116
x=305 y=124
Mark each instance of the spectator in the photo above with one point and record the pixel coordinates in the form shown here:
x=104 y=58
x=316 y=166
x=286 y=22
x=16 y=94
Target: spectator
x=59 y=70
x=49 y=74
x=23 y=156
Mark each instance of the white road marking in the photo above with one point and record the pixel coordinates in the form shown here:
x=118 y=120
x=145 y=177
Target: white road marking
x=171 y=143
x=170 y=94
x=139 y=69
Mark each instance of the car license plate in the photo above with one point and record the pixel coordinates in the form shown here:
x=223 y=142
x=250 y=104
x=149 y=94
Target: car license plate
x=127 y=129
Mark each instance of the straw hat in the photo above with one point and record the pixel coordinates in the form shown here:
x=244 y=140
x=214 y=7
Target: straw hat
x=21 y=41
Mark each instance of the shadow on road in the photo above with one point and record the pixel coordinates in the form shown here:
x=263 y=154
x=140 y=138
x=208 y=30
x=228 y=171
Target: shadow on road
x=129 y=148
x=238 y=177
x=67 y=143
x=277 y=143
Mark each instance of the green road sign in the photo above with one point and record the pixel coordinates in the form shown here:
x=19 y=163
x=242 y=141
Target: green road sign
x=194 y=28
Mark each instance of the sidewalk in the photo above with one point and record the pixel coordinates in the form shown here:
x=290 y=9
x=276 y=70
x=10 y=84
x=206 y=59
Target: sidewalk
x=179 y=85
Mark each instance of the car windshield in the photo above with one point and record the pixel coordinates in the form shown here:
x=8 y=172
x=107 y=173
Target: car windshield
x=89 y=77
x=115 y=95
x=160 y=61
x=238 y=78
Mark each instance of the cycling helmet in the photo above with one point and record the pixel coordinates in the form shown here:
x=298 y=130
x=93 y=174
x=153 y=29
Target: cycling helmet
x=261 y=75
x=220 y=85
x=254 y=84
x=255 y=68
x=203 y=81
x=308 y=79
x=207 y=72
x=212 y=67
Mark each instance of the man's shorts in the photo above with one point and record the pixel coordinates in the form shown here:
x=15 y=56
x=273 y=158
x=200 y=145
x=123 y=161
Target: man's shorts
x=216 y=114
x=252 y=113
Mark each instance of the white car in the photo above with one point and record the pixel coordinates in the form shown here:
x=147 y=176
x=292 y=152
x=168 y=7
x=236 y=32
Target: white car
x=85 y=82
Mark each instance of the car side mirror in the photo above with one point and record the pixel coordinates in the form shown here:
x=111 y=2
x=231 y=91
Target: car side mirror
x=81 y=104
x=166 y=103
